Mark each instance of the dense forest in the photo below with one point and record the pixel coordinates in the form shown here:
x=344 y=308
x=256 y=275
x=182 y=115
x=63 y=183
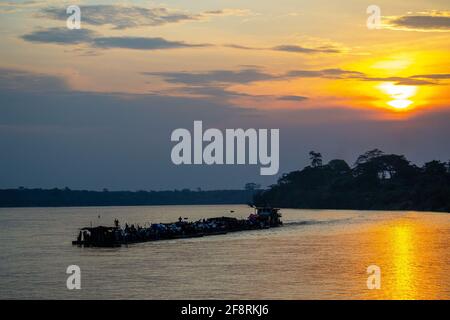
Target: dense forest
x=377 y=181
x=23 y=197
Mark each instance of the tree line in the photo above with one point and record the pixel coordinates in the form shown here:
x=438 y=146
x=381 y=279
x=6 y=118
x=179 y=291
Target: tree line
x=376 y=181
x=23 y=197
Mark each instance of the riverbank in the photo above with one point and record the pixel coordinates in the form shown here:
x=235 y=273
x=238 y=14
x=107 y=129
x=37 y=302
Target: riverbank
x=24 y=197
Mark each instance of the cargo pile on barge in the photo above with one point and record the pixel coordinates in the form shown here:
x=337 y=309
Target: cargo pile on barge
x=101 y=236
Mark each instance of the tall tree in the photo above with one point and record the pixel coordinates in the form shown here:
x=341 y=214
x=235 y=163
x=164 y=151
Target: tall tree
x=316 y=159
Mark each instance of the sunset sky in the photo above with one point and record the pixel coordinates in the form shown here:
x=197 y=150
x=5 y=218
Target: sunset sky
x=94 y=108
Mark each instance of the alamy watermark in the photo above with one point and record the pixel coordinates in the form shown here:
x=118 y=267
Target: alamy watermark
x=74 y=20
x=374 y=278
x=374 y=20
x=74 y=280
x=233 y=147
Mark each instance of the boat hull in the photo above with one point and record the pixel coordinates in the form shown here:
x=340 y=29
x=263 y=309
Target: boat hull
x=112 y=244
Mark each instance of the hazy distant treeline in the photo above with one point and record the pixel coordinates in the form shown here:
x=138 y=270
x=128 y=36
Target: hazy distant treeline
x=23 y=197
x=376 y=181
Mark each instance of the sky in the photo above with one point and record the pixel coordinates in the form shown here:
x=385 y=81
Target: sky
x=94 y=108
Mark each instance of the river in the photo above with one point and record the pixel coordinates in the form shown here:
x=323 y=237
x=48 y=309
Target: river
x=317 y=254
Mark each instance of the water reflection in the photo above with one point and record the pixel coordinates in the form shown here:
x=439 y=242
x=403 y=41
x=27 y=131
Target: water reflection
x=405 y=249
x=403 y=256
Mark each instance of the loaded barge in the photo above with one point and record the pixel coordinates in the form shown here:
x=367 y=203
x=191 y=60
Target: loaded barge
x=116 y=236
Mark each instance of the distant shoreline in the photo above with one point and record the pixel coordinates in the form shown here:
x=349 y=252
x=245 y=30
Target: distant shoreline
x=205 y=203
x=26 y=198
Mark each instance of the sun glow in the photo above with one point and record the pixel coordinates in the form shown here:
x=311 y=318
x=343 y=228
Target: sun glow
x=400 y=95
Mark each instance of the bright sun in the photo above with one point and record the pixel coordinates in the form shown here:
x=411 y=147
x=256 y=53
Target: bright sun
x=399 y=94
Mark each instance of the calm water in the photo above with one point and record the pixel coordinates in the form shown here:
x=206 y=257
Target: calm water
x=317 y=254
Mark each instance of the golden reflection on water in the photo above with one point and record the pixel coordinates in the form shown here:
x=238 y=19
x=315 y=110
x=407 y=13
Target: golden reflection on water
x=404 y=249
x=403 y=255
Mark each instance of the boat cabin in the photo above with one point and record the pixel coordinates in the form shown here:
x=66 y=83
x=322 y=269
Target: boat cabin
x=96 y=235
x=269 y=214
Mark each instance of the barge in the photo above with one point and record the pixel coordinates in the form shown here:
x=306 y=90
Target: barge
x=116 y=236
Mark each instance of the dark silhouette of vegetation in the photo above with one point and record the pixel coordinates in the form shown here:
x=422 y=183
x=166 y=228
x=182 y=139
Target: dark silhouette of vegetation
x=377 y=181
x=23 y=197
x=316 y=159
x=252 y=186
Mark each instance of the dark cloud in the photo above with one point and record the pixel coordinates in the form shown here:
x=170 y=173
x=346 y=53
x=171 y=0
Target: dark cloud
x=325 y=73
x=126 y=16
x=14 y=6
x=304 y=73
x=141 y=43
x=242 y=47
x=288 y=48
x=91 y=38
x=292 y=98
x=218 y=76
x=248 y=75
x=337 y=73
x=412 y=82
x=300 y=49
x=18 y=81
x=217 y=80
x=214 y=91
x=122 y=17
x=221 y=92
x=60 y=36
x=228 y=12
x=422 y=22
x=390 y=79
x=436 y=76
x=213 y=12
